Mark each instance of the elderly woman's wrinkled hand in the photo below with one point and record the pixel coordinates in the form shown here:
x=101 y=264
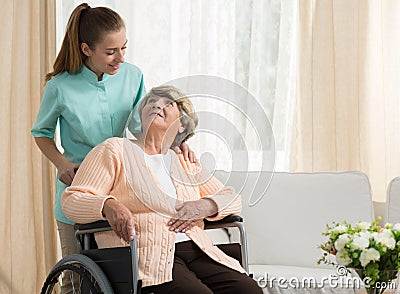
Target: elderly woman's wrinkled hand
x=190 y=213
x=119 y=218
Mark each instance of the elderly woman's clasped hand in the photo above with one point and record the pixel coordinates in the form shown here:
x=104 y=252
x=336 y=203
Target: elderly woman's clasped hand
x=190 y=213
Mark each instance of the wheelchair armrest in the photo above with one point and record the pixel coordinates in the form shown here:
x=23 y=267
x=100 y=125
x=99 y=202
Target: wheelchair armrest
x=95 y=225
x=104 y=225
x=225 y=222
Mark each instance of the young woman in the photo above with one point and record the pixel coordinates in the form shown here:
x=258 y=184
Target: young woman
x=92 y=92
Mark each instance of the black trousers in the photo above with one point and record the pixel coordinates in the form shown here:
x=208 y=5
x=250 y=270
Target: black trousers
x=196 y=273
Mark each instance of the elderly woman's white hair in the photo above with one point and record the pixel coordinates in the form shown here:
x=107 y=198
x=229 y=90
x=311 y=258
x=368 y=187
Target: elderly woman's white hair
x=188 y=118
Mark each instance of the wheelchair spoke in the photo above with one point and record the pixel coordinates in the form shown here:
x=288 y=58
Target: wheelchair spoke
x=72 y=282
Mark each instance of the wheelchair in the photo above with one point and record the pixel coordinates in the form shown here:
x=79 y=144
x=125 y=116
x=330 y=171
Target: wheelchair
x=115 y=270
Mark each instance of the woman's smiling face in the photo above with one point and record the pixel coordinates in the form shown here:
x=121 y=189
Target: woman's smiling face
x=107 y=55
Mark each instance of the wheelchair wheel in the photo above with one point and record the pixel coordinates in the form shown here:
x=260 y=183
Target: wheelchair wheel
x=83 y=274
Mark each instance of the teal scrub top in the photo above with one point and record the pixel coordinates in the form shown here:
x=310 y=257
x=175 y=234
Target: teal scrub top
x=88 y=111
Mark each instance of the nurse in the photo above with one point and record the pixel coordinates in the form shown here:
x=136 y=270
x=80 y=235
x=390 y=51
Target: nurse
x=92 y=92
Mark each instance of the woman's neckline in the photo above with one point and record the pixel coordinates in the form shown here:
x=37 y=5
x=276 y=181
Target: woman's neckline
x=133 y=142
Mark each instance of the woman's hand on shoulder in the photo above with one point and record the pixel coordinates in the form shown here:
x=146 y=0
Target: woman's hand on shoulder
x=67 y=171
x=190 y=213
x=188 y=153
x=120 y=219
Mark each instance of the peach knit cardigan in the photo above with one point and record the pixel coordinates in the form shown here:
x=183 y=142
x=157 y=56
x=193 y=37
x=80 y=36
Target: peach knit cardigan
x=117 y=169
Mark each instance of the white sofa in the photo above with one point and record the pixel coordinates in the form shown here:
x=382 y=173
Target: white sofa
x=284 y=227
x=392 y=205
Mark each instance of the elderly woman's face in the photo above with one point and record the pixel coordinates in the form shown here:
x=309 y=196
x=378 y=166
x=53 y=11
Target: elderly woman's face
x=161 y=113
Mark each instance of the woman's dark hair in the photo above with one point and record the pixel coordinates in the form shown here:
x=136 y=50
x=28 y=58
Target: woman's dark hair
x=85 y=25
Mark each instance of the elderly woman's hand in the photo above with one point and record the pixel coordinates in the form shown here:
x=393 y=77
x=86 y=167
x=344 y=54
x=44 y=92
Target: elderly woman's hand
x=190 y=213
x=119 y=218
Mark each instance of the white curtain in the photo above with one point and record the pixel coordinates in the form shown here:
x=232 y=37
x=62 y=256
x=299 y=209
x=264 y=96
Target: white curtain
x=246 y=49
x=348 y=106
x=265 y=64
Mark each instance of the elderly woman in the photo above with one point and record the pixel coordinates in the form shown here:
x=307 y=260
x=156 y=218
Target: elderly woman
x=145 y=186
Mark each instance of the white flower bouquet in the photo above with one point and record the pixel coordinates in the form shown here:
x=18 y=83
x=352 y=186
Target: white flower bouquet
x=372 y=250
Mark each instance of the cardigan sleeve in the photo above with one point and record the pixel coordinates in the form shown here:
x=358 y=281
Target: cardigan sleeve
x=83 y=201
x=227 y=200
x=225 y=197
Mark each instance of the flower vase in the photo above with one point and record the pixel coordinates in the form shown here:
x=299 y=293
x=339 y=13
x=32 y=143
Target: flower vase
x=384 y=280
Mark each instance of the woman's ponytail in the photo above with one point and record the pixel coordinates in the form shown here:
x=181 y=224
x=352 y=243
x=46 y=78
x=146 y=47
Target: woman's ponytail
x=70 y=57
